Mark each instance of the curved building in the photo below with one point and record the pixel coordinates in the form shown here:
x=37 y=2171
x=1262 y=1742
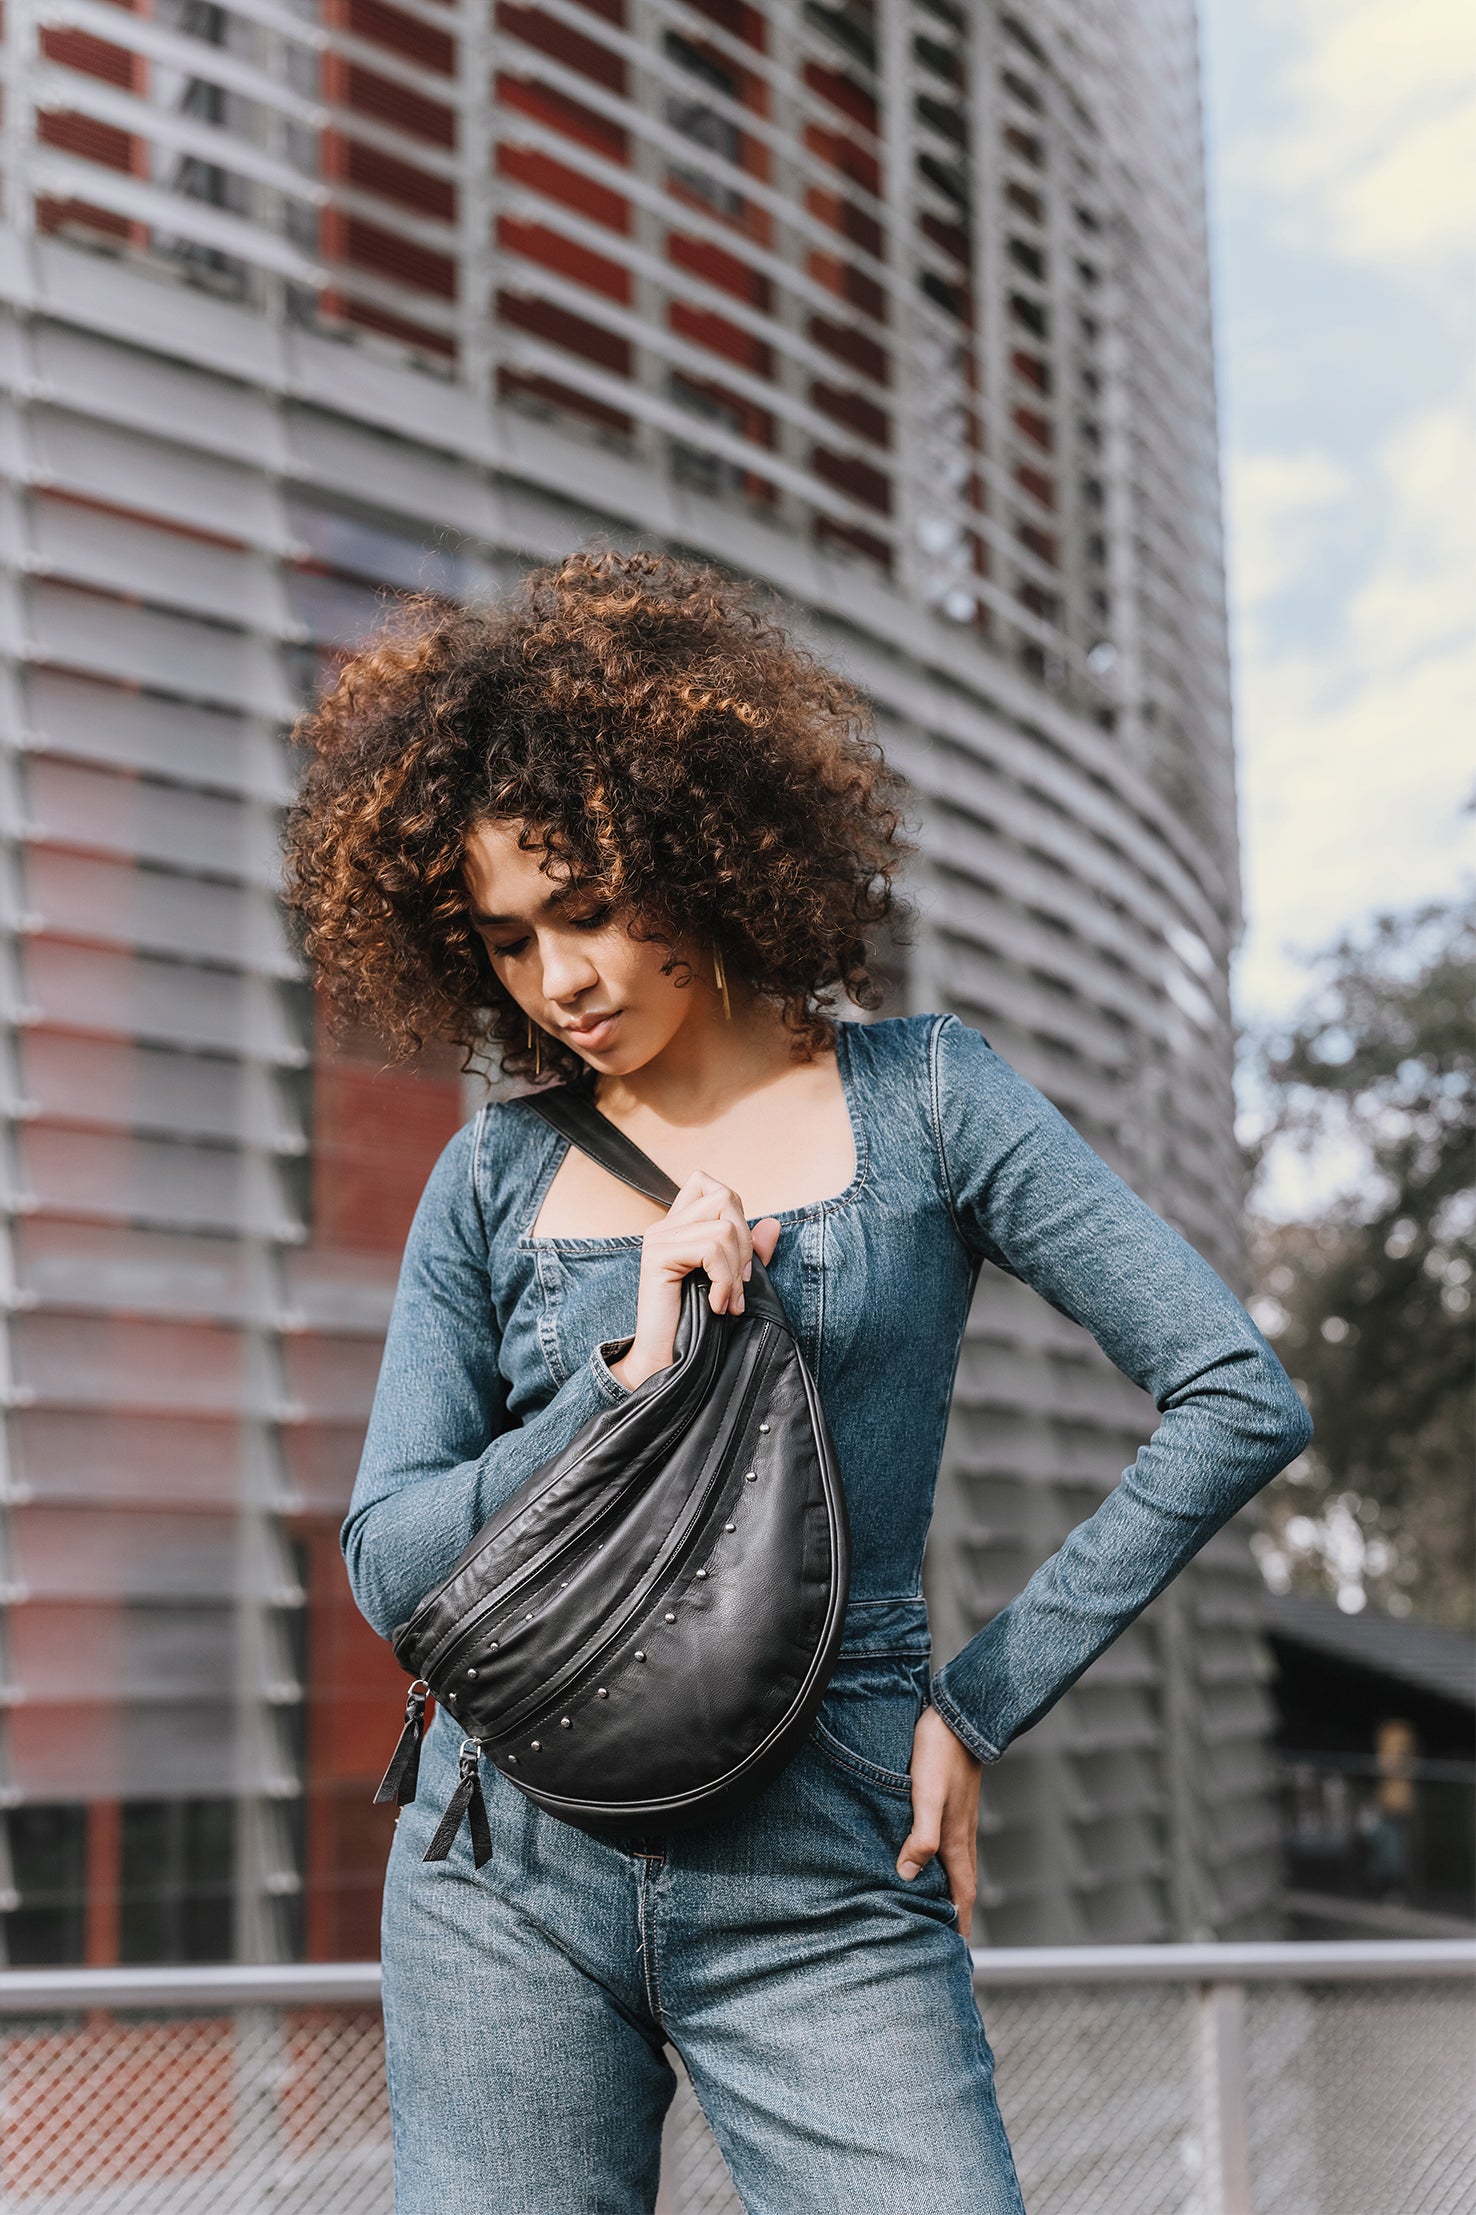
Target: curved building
x=900 y=305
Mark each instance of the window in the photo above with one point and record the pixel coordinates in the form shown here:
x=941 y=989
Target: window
x=170 y=1897
x=178 y=1879
x=46 y=1921
x=699 y=121
x=851 y=26
x=695 y=465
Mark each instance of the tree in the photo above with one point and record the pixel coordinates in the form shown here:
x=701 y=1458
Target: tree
x=1370 y=1306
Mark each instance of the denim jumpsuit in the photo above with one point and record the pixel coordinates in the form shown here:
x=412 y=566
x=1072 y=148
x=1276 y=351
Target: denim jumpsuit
x=823 y=2007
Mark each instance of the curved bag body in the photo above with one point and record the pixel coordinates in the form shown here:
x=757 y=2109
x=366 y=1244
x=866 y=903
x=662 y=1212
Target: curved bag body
x=641 y=1635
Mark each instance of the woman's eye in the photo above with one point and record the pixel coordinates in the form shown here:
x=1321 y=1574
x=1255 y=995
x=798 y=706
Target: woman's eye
x=500 y=953
x=594 y=920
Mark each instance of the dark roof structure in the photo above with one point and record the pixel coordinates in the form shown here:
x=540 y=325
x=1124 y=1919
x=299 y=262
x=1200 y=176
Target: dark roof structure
x=1426 y=1656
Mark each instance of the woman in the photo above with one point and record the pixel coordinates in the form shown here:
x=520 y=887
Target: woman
x=627 y=831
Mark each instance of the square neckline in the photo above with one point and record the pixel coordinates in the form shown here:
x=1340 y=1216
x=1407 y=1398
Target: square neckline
x=615 y=1241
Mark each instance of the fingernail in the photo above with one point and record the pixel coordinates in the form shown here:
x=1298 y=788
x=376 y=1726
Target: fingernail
x=747 y=1271
x=737 y=1303
x=908 y=1869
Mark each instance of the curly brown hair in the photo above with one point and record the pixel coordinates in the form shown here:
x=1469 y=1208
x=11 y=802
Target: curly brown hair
x=661 y=737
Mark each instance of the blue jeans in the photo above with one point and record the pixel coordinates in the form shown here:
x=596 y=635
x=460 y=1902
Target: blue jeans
x=824 y=2009
x=822 y=2006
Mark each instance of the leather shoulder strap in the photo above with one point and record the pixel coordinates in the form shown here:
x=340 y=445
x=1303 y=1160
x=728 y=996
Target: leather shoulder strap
x=580 y=1121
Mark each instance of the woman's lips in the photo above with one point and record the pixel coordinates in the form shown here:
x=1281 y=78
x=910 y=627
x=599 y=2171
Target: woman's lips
x=592 y=1035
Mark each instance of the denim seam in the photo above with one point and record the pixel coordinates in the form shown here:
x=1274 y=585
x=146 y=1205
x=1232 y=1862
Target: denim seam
x=935 y=1119
x=555 y=1148
x=982 y=1748
x=606 y=1384
x=391 y=2043
x=650 y=1965
x=883 y=1653
x=474 y=1179
x=888 y=1780
x=549 y=1289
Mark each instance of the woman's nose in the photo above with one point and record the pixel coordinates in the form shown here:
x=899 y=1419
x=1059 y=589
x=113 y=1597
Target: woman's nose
x=567 y=970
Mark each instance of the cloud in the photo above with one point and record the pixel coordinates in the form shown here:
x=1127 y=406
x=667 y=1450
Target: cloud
x=1421 y=596
x=1358 y=759
x=1278 y=507
x=1373 y=154
x=1356 y=804
x=1409 y=209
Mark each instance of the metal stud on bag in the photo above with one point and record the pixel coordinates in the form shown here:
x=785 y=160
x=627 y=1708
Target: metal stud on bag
x=539 y=1548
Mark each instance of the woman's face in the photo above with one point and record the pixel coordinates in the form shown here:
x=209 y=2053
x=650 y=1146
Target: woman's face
x=572 y=965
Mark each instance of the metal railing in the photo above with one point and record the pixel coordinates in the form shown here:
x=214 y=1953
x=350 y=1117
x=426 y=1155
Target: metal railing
x=1135 y=2080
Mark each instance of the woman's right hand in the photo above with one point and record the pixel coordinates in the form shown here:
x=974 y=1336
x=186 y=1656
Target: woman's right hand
x=704 y=1228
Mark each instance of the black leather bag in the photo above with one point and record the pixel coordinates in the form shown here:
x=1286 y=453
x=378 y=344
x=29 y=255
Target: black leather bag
x=641 y=1635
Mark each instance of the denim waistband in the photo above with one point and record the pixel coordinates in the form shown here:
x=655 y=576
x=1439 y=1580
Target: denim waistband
x=890 y=1625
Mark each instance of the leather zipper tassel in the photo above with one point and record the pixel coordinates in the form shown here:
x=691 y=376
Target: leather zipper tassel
x=465 y=1800
x=402 y=1777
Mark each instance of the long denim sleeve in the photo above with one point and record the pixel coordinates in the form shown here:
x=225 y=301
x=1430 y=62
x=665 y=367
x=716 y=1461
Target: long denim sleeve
x=442 y=1450
x=1031 y=1196
x=499 y=1346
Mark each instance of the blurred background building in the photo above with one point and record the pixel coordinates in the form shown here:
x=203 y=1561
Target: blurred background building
x=1375 y=1721
x=900 y=305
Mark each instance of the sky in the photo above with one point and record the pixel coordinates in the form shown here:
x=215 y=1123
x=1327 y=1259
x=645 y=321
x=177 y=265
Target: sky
x=1342 y=151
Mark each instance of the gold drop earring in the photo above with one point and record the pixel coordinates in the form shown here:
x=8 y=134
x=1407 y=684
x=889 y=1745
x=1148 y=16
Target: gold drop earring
x=535 y=1041
x=720 y=977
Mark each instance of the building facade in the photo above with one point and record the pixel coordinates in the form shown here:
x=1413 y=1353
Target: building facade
x=899 y=305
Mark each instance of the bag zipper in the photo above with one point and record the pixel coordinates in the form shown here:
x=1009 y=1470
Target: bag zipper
x=547 y=1694
x=492 y=1601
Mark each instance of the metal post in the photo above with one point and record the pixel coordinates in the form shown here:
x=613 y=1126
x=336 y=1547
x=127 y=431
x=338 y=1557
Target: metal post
x=668 y=2189
x=1190 y=1903
x=257 y=2053
x=1220 y=2099
x=14 y=615
x=666 y=2200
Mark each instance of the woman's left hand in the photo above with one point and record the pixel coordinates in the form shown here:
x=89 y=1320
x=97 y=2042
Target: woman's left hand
x=945 y=1811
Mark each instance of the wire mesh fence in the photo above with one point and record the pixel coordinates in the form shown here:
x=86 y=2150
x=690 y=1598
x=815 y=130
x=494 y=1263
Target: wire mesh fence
x=262 y=2107
x=1351 y=2100
x=1362 y=2097
x=1169 y=2081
